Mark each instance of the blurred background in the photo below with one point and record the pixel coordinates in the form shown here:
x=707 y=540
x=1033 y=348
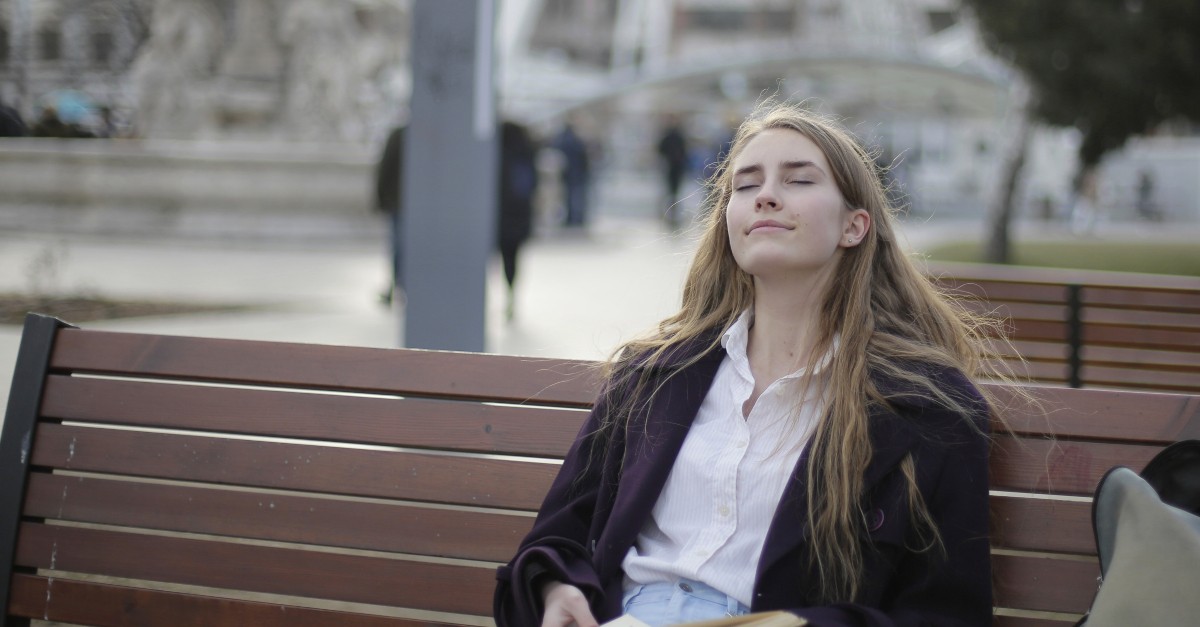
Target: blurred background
x=213 y=166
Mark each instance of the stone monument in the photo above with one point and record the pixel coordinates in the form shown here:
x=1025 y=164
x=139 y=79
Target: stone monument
x=314 y=70
x=173 y=71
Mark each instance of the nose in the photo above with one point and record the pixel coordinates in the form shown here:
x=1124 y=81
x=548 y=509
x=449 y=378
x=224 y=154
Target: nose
x=766 y=199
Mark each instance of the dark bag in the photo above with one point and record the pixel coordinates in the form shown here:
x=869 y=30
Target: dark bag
x=1175 y=474
x=1149 y=545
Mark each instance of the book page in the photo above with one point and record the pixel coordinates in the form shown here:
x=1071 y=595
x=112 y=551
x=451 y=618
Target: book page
x=758 y=619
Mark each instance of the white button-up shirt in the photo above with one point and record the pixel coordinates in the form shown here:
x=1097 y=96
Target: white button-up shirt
x=712 y=517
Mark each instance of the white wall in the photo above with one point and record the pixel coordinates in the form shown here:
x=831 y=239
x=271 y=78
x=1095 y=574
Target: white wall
x=1174 y=165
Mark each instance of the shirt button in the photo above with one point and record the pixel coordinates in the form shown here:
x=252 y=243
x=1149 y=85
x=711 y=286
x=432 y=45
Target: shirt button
x=723 y=510
x=741 y=444
x=702 y=553
x=685 y=587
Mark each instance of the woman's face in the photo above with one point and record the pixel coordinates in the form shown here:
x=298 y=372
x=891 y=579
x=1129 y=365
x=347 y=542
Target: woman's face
x=786 y=215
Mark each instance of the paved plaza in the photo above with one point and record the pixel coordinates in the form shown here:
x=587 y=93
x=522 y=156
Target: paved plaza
x=578 y=295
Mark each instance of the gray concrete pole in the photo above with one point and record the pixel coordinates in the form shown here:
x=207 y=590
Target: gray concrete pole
x=20 y=52
x=449 y=179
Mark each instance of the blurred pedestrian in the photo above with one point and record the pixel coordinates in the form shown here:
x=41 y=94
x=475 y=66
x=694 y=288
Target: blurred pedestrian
x=717 y=155
x=518 y=182
x=575 y=174
x=107 y=127
x=1146 y=206
x=1085 y=205
x=11 y=124
x=673 y=151
x=387 y=201
x=50 y=125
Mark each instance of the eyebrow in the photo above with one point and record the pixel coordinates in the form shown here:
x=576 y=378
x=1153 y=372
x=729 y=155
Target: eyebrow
x=787 y=165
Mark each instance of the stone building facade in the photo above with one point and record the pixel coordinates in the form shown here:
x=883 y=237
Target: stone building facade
x=195 y=69
x=87 y=45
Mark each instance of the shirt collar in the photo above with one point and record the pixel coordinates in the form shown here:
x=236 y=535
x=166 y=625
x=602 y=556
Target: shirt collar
x=737 y=337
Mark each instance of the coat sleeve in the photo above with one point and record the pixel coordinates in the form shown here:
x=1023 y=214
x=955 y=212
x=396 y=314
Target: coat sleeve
x=557 y=546
x=934 y=588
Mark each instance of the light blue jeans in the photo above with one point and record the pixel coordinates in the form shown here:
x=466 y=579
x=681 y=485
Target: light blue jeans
x=661 y=604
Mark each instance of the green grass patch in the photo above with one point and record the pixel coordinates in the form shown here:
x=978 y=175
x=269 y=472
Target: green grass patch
x=1154 y=257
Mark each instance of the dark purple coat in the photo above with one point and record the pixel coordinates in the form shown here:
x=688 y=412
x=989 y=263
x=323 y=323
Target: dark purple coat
x=591 y=518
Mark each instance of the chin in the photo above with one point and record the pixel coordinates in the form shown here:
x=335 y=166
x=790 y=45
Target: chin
x=763 y=268
x=772 y=267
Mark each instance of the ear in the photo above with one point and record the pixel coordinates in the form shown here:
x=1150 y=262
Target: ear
x=858 y=224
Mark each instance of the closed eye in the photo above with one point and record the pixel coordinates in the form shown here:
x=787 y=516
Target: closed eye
x=741 y=188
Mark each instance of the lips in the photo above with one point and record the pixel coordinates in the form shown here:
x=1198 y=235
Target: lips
x=768 y=224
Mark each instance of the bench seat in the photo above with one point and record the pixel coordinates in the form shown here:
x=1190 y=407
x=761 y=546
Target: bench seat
x=165 y=480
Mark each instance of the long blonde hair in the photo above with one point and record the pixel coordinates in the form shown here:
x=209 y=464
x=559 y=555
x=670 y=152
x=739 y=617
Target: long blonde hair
x=883 y=310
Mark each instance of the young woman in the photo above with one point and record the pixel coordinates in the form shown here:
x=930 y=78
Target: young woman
x=803 y=435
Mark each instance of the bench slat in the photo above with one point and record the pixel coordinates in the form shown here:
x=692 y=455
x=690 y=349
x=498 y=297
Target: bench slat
x=1030 y=524
x=1000 y=291
x=1188 y=321
x=1044 y=584
x=1186 y=300
x=391 y=527
x=1016 y=465
x=454 y=425
x=266 y=569
x=1123 y=415
x=1140 y=377
x=1021 y=581
x=107 y=605
x=1133 y=406
x=1147 y=417
x=474 y=481
x=1018 y=523
x=1141 y=336
x=1040 y=370
x=1038 y=330
x=1046 y=351
x=415 y=372
x=1022 y=465
x=1053 y=312
x=1140 y=358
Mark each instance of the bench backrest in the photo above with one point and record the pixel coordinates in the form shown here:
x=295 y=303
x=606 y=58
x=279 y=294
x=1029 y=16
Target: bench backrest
x=242 y=482
x=1092 y=329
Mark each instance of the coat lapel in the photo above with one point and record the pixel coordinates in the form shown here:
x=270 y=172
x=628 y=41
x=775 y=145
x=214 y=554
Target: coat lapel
x=652 y=446
x=891 y=437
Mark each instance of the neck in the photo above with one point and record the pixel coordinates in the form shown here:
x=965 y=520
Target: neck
x=785 y=325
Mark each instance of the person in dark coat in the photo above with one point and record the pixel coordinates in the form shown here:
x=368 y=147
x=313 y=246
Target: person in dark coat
x=387 y=201
x=803 y=435
x=50 y=125
x=11 y=124
x=673 y=150
x=518 y=182
x=576 y=174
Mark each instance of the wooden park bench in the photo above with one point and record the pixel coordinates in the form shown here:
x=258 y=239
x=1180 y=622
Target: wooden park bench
x=1092 y=329
x=164 y=480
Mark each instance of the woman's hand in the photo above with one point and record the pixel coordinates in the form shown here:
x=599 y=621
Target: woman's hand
x=565 y=605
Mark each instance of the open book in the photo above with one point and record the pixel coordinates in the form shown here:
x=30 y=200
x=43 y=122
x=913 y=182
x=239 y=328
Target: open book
x=758 y=619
